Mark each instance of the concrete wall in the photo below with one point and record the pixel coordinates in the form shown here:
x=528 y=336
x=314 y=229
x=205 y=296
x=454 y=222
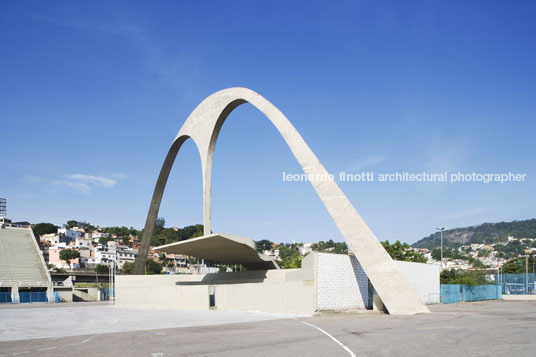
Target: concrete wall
x=269 y=291
x=65 y=294
x=86 y=294
x=341 y=282
x=295 y=297
x=424 y=278
x=159 y=292
x=325 y=282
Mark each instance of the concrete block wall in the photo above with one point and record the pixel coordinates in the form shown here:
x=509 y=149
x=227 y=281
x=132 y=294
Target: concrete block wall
x=424 y=278
x=341 y=282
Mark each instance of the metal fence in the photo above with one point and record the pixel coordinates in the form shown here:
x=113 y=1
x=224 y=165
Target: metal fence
x=451 y=293
x=481 y=292
x=29 y=297
x=516 y=284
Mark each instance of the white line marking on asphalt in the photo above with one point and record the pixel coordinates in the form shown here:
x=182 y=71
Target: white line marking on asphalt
x=520 y=323
x=20 y=353
x=439 y=328
x=47 y=348
x=333 y=338
x=89 y=339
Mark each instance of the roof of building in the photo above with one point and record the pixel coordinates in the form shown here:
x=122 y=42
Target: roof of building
x=222 y=248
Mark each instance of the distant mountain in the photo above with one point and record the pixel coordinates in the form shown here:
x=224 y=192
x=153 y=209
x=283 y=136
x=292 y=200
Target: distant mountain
x=487 y=233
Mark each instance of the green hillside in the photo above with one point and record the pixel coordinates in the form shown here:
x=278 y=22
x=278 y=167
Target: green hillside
x=486 y=233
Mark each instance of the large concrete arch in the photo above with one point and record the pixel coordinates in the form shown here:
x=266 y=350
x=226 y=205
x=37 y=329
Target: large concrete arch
x=203 y=127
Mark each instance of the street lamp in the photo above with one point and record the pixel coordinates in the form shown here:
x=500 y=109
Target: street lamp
x=441 y=230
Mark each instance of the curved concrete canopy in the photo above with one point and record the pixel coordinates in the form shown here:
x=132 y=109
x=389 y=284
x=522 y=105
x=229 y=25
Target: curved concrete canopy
x=203 y=127
x=222 y=248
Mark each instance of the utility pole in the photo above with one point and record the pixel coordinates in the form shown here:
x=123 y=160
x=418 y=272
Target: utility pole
x=441 y=230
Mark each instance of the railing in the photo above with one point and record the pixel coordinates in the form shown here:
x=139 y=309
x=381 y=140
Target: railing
x=517 y=284
x=452 y=293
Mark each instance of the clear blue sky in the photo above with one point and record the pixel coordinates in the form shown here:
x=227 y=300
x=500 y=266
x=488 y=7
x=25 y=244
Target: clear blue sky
x=93 y=93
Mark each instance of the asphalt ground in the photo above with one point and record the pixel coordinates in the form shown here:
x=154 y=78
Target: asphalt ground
x=487 y=328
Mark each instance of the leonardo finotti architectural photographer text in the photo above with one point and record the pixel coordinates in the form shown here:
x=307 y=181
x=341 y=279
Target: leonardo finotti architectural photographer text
x=370 y=176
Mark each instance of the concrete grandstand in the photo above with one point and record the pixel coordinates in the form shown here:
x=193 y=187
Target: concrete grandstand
x=24 y=276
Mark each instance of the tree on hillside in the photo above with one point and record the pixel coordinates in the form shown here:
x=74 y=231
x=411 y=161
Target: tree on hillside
x=436 y=254
x=128 y=268
x=159 y=225
x=43 y=228
x=105 y=240
x=70 y=224
x=293 y=262
x=331 y=247
x=474 y=277
x=287 y=250
x=518 y=265
x=164 y=260
x=125 y=239
x=102 y=269
x=289 y=255
x=152 y=267
x=164 y=235
x=403 y=251
x=263 y=245
x=82 y=224
x=120 y=231
x=68 y=255
x=483 y=253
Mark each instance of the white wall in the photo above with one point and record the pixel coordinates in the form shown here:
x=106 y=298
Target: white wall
x=254 y=290
x=424 y=278
x=326 y=282
x=341 y=282
x=69 y=233
x=296 y=297
x=159 y=292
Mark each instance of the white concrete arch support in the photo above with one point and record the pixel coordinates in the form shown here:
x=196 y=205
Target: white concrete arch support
x=204 y=125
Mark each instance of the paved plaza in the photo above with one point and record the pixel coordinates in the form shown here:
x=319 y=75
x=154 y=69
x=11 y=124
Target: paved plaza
x=464 y=329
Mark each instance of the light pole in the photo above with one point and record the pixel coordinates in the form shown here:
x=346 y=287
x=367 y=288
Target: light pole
x=533 y=276
x=441 y=230
x=526 y=273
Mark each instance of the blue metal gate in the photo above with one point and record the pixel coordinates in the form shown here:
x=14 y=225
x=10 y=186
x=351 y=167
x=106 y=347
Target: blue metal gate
x=29 y=297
